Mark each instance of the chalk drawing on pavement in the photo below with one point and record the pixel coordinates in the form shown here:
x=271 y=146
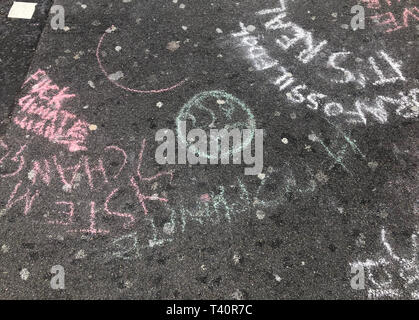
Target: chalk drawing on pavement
x=385 y=271
x=388 y=12
x=41 y=111
x=117 y=84
x=378 y=70
x=216 y=110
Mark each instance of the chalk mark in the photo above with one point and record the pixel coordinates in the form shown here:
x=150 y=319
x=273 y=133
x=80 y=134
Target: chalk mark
x=122 y=86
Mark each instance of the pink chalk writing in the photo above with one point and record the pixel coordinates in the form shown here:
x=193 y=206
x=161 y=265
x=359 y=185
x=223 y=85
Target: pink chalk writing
x=92 y=228
x=124 y=155
x=376 y=4
x=123 y=215
x=27 y=197
x=62 y=172
x=140 y=161
x=42 y=112
x=70 y=214
x=83 y=173
x=205 y=197
x=18 y=158
x=99 y=169
x=141 y=198
x=391 y=18
x=43 y=172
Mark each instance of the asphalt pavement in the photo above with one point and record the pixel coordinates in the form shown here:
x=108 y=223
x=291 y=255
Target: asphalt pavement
x=332 y=214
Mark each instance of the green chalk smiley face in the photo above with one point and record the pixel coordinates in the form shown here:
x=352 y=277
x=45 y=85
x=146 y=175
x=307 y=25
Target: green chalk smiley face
x=216 y=110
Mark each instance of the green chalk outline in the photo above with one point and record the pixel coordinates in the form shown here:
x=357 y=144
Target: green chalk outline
x=197 y=102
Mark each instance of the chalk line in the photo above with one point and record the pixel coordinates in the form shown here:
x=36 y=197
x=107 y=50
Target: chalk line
x=124 y=87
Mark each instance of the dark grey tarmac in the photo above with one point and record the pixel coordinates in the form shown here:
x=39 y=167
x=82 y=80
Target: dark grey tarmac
x=334 y=193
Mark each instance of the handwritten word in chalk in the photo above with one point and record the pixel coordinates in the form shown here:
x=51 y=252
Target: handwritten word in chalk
x=392 y=267
x=396 y=18
x=378 y=70
x=41 y=111
x=108 y=177
x=225 y=206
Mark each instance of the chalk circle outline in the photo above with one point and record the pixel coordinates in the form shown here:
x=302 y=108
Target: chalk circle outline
x=196 y=102
x=115 y=83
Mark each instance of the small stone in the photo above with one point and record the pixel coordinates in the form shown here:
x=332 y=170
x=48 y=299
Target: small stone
x=24 y=274
x=373 y=165
x=93 y=127
x=260 y=214
x=250 y=28
x=173 y=45
x=5 y=248
x=236 y=258
x=116 y=76
x=312 y=137
x=80 y=254
x=284 y=140
x=277 y=278
x=261 y=176
x=91 y=84
x=111 y=29
x=218 y=30
x=67 y=187
x=321 y=177
x=31 y=174
x=159 y=104
x=237 y=295
x=169 y=228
